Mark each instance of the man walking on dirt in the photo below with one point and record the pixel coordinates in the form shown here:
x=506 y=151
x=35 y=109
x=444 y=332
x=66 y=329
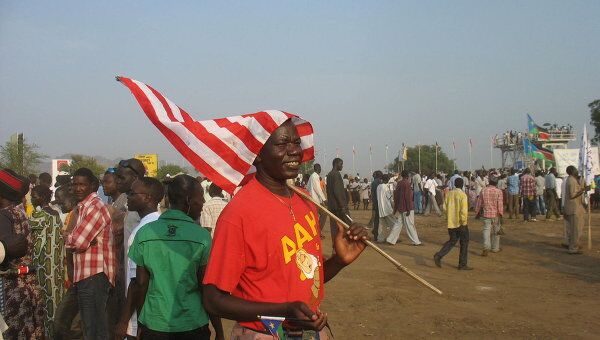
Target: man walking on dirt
x=456 y=209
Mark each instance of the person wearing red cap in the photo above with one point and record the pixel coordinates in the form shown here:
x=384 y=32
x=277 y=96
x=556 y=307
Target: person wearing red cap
x=20 y=297
x=267 y=253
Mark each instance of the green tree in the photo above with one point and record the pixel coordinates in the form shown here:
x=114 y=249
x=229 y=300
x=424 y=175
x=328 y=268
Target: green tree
x=444 y=163
x=595 y=116
x=9 y=157
x=171 y=169
x=81 y=161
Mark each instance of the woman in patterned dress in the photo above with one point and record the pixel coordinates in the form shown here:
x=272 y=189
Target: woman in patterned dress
x=20 y=296
x=48 y=253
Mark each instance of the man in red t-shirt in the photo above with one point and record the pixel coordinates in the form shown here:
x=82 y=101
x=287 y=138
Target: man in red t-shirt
x=268 y=261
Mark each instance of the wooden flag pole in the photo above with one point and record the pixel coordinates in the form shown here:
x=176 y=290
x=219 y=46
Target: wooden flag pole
x=589 y=224
x=367 y=242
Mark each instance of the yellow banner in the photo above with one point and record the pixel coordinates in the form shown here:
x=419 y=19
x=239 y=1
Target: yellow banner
x=150 y=161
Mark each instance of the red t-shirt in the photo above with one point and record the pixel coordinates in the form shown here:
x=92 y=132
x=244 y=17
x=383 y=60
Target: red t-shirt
x=259 y=253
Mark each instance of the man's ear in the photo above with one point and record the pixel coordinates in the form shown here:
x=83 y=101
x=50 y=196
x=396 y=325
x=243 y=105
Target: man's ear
x=257 y=160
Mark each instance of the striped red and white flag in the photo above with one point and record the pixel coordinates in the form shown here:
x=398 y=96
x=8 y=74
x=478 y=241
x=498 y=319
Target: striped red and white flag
x=221 y=149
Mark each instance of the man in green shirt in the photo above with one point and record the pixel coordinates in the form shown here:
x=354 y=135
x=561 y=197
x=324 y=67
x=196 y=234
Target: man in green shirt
x=171 y=254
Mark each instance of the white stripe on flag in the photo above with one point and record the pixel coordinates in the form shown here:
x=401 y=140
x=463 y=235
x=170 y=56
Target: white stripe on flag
x=193 y=143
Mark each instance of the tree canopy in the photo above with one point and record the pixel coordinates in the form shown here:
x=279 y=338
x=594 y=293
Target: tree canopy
x=170 y=169
x=9 y=157
x=445 y=164
x=81 y=161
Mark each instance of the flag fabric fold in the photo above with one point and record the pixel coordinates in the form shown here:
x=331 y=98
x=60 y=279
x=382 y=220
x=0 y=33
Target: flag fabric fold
x=537 y=151
x=536 y=131
x=221 y=149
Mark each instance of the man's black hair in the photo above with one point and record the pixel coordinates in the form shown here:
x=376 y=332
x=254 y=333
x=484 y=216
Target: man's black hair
x=214 y=190
x=45 y=177
x=458 y=183
x=180 y=189
x=43 y=191
x=155 y=188
x=87 y=173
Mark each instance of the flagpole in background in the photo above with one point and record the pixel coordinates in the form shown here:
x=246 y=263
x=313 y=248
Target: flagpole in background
x=470 y=151
x=419 y=147
x=454 y=154
x=353 y=157
x=491 y=152
x=386 y=159
x=436 y=154
x=324 y=157
x=370 y=159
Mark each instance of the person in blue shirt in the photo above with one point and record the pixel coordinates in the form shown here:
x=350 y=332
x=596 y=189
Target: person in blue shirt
x=513 y=194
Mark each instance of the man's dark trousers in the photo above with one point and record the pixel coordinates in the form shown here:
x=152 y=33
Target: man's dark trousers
x=375 y=220
x=461 y=233
x=529 y=210
x=92 y=295
x=343 y=215
x=65 y=313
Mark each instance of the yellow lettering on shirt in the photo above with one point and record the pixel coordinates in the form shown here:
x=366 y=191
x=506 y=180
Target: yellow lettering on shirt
x=301 y=235
x=312 y=222
x=289 y=248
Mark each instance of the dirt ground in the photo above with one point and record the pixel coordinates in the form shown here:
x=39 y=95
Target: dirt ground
x=531 y=289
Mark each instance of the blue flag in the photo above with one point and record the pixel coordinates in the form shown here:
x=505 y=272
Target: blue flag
x=274 y=327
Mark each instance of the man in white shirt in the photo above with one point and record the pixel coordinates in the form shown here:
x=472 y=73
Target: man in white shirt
x=385 y=193
x=211 y=210
x=145 y=194
x=316 y=192
x=430 y=189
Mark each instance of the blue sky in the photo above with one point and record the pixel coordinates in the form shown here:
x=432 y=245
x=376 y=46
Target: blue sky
x=379 y=72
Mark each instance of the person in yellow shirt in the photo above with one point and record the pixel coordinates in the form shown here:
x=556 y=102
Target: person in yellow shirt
x=456 y=210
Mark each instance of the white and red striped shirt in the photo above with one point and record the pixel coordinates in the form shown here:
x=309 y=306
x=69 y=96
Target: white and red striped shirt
x=221 y=149
x=93 y=223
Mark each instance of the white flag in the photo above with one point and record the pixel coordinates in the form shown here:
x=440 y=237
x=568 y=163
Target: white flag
x=586 y=163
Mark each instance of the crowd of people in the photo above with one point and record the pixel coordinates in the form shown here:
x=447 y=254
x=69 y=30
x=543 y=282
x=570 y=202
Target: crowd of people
x=491 y=194
x=125 y=256
x=105 y=250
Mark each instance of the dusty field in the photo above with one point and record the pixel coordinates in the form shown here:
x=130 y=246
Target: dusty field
x=532 y=289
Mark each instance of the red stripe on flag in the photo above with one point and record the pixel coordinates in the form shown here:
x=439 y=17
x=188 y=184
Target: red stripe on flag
x=206 y=137
x=176 y=141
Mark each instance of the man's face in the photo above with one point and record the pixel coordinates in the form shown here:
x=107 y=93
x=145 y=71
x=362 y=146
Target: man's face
x=196 y=202
x=82 y=187
x=138 y=197
x=339 y=165
x=37 y=200
x=109 y=184
x=67 y=205
x=125 y=178
x=318 y=169
x=281 y=155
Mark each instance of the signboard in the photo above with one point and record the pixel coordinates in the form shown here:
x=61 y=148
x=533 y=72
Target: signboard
x=566 y=157
x=150 y=161
x=57 y=164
